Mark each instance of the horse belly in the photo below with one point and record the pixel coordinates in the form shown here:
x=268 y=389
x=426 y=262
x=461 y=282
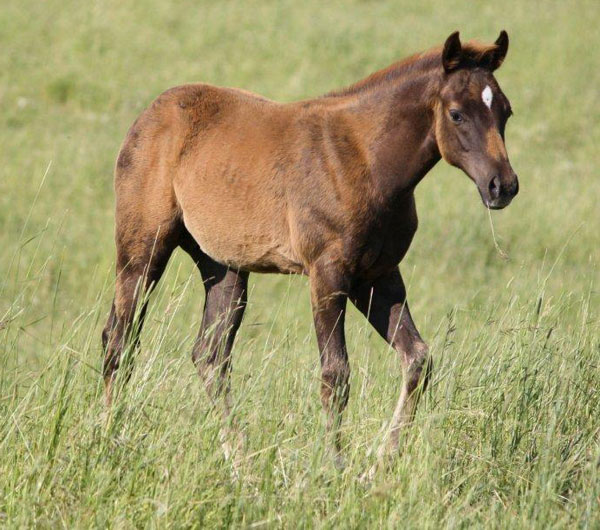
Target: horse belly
x=232 y=198
x=242 y=249
x=243 y=232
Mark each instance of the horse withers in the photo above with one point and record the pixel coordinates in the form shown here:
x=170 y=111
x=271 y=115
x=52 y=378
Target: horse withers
x=322 y=187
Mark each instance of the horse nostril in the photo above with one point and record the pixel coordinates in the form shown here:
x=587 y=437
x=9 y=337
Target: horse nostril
x=495 y=187
x=515 y=187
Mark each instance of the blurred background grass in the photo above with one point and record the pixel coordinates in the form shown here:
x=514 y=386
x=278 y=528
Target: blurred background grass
x=73 y=76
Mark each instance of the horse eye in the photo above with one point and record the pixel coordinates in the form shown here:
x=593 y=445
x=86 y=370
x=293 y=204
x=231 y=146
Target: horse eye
x=456 y=116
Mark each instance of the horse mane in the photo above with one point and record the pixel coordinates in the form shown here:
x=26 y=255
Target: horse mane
x=474 y=54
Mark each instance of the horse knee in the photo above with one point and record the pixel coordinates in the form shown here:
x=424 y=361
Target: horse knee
x=335 y=387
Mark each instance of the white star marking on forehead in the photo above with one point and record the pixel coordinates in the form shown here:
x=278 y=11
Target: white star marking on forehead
x=487 y=96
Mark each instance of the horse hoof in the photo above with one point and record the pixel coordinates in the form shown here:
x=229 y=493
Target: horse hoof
x=339 y=462
x=368 y=476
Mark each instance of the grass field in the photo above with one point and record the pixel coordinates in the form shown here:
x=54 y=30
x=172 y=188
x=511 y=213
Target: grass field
x=507 y=435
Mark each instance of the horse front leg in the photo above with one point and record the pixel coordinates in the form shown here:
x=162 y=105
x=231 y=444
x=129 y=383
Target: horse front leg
x=383 y=302
x=328 y=298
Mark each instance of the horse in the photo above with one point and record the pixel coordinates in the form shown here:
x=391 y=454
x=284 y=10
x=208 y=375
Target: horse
x=322 y=187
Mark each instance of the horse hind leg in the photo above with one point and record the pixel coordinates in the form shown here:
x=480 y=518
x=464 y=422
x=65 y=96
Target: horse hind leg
x=224 y=305
x=142 y=255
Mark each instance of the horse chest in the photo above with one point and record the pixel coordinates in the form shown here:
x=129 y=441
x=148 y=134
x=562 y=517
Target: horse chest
x=385 y=247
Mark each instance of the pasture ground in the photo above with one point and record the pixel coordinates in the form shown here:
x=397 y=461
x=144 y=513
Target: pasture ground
x=507 y=434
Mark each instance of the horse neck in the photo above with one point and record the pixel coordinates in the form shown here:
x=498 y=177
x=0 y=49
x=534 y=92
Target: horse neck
x=401 y=143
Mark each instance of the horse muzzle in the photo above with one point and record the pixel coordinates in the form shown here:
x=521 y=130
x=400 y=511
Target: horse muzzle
x=499 y=193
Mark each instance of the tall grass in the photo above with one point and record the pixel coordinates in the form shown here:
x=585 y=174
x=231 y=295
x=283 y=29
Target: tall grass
x=506 y=435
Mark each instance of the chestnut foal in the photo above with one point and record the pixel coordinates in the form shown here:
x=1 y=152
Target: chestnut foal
x=323 y=187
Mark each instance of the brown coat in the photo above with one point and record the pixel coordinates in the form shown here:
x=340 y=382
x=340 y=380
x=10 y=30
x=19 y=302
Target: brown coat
x=322 y=187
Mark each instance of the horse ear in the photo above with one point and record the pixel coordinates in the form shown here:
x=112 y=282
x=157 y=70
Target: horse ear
x=500 y=51
x=452 y=53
